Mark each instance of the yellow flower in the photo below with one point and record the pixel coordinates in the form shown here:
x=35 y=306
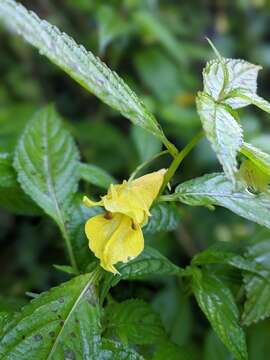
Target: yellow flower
x=116 y=235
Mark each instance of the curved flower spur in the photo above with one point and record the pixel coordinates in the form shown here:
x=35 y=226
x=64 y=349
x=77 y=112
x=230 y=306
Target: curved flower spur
x=117 y=235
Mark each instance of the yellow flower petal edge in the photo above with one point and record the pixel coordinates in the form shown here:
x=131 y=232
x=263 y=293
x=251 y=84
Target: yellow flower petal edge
x=114 y=238
x=116 y=235
x=132 y=198
x=89 y=203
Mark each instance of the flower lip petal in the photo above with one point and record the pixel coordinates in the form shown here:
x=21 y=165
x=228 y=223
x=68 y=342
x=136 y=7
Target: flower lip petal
x=114 y=240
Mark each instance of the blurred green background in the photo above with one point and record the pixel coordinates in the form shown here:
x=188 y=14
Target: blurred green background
x=159 y=48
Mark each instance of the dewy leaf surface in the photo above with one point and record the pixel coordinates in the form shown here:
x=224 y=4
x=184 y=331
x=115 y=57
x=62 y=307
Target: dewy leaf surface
x=216 y=189
x=46 y=160
x=218 y=304
x=222 y=130
x=114 y=350
x=80 y=64
x=257 y=305
x=63 y=323
x=222 y=76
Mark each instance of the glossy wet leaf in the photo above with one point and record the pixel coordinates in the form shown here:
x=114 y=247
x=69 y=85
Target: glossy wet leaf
x=218 y=305
x=114 y=350
x=216 y=189
x=222 y=130
x=46 y=160
x=61 y=323
x=88 y=70
x=223 y=76
x=134 y=321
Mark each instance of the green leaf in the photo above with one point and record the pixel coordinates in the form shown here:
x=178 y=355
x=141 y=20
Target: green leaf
x=252 y=176
x=223 y=76
x=222 y=130
x=214 y=349
x=155 y=68
x=259 y=340
x=5 y=317
x=13 y=119
x=147 y=145
x=177 y=318
x=257 y=305
x=46 y=160
x=65 y=268
x=56 y=324
x=81 y=65
x=218 y=305
x=153 y=28
x=168 y=350
x=164 y=217
x=11 y=195
x=258 y=157
x=110 y=26
x=225 y=253
x=216 y=189
x=95 y=175
x=15 y=200
x=251 y=98
x=149 y=263
x=134 y=321
x=7 y=173
x=114 y=350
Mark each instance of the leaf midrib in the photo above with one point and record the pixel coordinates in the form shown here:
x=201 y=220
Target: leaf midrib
x=76 y=303
x=49 y=177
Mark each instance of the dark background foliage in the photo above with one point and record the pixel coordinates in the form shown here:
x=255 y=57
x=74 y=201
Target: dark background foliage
x=159 y=48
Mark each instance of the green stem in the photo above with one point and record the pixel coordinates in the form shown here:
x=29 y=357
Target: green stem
x=145 y=163
x=170 y=146
x=179 y=158
x=69 y=248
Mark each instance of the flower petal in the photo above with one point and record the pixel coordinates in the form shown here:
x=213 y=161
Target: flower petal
x=114 y=238
x=135 y=198
x=89 y=203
